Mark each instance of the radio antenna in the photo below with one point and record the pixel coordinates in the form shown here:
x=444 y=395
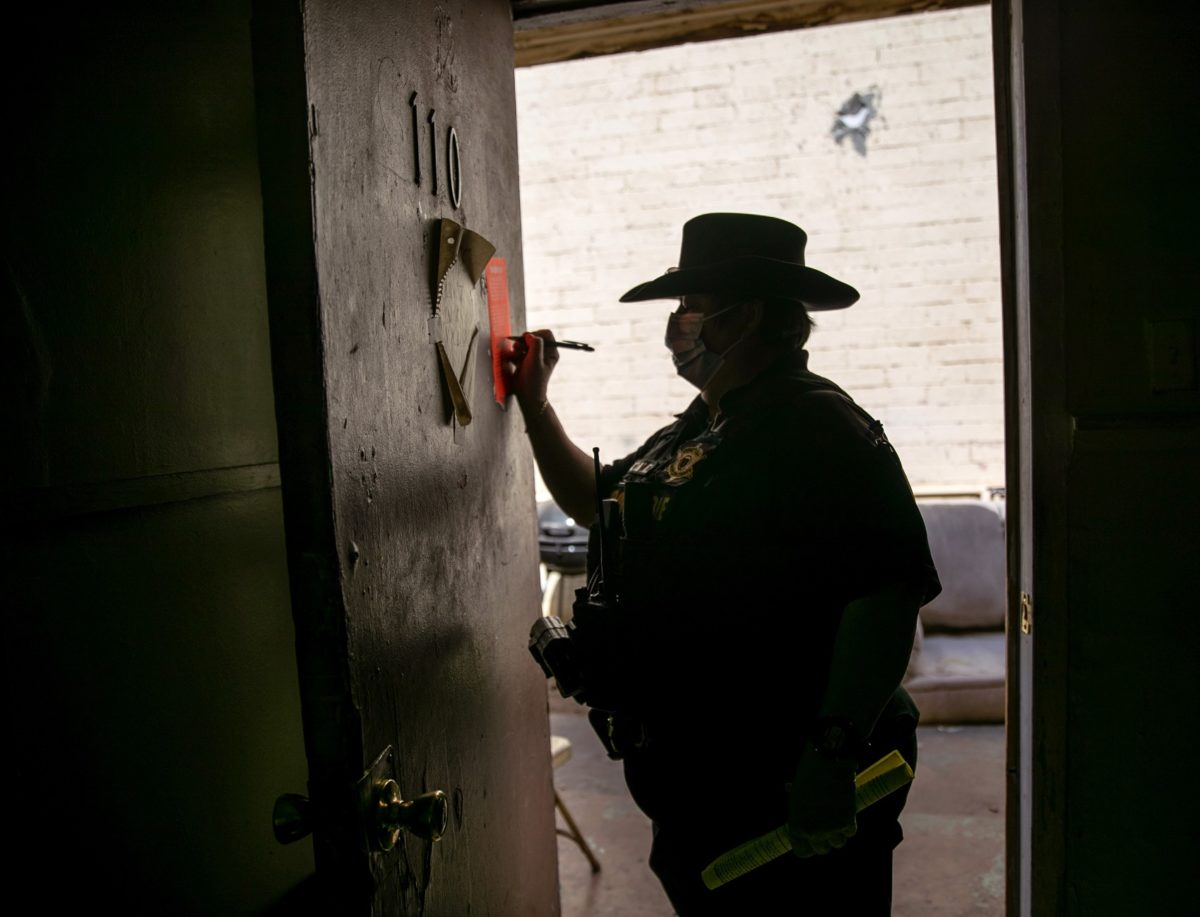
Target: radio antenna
x=600 y=513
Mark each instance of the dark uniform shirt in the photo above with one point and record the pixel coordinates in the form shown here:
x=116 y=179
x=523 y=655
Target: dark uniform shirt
x=745 y=538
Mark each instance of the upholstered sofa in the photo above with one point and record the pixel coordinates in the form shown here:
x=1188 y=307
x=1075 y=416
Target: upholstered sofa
x=956 y=673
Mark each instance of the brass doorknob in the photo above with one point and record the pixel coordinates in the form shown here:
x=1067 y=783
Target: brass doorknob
x=292 y=818
x=426 y=816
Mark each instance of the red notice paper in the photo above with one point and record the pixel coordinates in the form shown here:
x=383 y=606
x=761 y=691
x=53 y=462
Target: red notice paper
x=500 y=321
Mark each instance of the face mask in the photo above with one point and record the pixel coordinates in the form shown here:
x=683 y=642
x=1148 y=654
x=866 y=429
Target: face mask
x=693 y=361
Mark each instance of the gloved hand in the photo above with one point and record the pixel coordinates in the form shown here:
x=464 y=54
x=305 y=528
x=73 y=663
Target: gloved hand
x=821 y=804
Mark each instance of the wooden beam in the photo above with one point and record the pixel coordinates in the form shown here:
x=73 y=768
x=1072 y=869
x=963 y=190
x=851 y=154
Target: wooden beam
x=639 y=27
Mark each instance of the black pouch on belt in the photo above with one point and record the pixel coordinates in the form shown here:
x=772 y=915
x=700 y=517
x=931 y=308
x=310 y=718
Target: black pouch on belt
x=619 y=732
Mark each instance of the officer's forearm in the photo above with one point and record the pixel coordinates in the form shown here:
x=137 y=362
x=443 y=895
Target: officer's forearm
x=567 y=470
x=874 y=642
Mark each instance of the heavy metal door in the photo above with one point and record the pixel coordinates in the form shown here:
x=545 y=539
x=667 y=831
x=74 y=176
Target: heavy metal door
x=410 y=525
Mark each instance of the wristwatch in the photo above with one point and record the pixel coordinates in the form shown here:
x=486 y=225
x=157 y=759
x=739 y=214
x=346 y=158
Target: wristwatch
x=835 y=737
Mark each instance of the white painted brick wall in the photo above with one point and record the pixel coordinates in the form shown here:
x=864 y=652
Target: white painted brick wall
x=617 y=152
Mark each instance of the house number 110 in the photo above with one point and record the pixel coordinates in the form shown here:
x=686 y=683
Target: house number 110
x=453 y=163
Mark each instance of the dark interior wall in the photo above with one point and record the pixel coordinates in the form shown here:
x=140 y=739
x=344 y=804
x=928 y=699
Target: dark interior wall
x=150 y=653
x=149 y=661
x=1130 y=195
x=1133 y=483
x=133 y=227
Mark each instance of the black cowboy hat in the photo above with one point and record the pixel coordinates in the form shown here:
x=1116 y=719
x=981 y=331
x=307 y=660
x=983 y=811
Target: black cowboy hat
x=745 y=253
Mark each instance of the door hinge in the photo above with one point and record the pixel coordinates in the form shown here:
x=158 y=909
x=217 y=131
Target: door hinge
x=1026 y=613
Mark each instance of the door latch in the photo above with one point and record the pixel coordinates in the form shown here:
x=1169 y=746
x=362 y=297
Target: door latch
x=426 y=816
x=383 y=810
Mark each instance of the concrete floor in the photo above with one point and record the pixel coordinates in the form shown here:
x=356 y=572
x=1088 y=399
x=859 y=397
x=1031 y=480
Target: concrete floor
x=951 y=863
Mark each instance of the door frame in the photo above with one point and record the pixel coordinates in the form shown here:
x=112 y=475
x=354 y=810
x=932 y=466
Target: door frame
x=1038 y=429
x=1038 y=426
x=1038 y=439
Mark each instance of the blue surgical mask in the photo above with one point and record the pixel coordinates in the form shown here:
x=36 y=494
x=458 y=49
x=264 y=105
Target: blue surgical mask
x=693 y=361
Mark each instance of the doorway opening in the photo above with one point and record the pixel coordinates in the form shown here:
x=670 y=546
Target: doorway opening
x=879 y=139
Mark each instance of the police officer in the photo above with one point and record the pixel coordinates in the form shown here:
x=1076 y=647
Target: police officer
x=771 y=571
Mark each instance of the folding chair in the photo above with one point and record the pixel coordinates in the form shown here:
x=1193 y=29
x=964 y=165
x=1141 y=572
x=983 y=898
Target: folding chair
x=560 y=753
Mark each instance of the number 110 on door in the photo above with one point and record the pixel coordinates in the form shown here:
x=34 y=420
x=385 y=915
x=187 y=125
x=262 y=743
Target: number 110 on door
x=453 y=163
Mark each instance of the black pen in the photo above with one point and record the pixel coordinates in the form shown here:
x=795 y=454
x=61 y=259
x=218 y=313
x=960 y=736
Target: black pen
x=565 y=345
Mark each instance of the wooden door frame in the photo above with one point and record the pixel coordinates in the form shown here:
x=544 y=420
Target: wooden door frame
x=1038 y=426
x=332 y=724
x=1038 y=436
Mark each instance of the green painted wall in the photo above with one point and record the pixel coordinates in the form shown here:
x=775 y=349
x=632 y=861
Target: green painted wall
x=150 y=672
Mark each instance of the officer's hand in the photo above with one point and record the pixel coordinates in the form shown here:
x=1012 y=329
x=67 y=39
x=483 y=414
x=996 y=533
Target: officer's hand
x=528 y=363
x=821 y=804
